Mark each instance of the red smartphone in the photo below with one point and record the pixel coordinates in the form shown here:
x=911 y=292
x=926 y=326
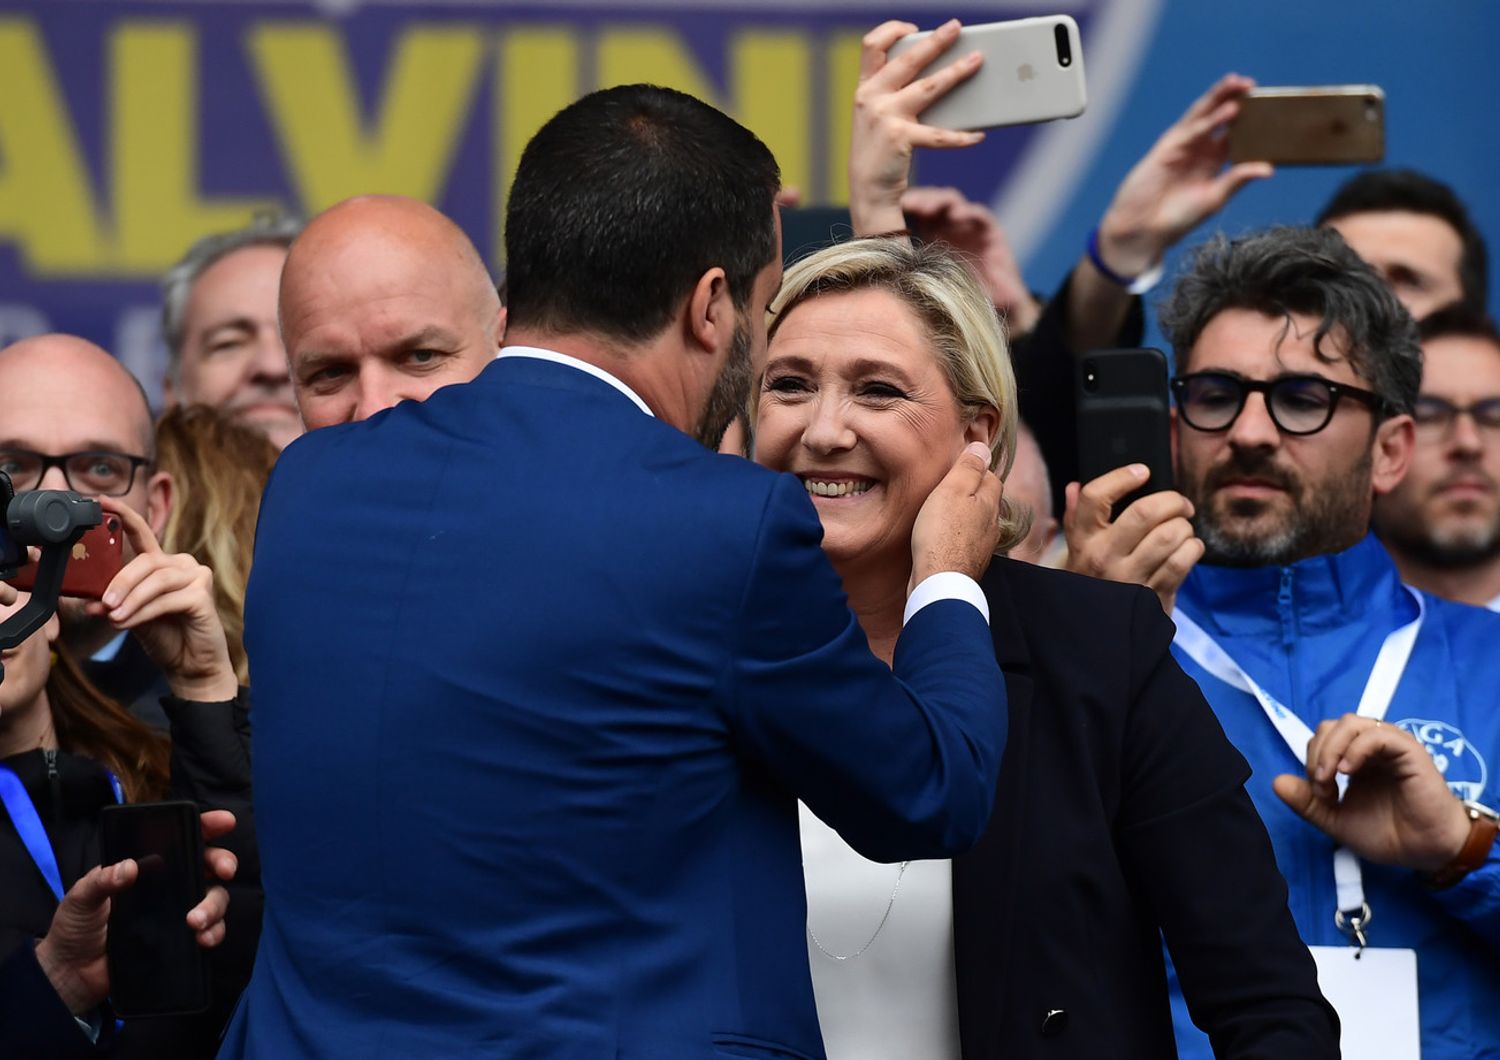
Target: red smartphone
x=96 y=558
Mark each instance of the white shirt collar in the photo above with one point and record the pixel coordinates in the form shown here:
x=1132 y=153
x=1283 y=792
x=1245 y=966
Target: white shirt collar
x=583 y=366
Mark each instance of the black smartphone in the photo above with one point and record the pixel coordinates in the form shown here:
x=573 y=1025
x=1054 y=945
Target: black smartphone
x=156 y=967
x=1124 y=417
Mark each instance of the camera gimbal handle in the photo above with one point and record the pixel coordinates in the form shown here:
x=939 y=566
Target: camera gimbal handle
x=53 y=519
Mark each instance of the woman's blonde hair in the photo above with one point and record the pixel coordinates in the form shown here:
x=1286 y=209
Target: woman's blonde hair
x=957 y=315
x=219 y=470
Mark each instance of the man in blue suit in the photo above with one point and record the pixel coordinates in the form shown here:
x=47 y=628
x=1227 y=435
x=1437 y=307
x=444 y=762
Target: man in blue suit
x=539 y=677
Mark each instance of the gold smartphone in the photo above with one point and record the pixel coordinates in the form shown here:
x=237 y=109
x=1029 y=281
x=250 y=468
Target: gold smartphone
x=1315 y=125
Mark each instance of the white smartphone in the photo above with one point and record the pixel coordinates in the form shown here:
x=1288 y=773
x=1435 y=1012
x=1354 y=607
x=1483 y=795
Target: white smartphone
x=1032 y=72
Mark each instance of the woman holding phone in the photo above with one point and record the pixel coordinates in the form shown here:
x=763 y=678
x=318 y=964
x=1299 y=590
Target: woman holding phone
x=66 y=752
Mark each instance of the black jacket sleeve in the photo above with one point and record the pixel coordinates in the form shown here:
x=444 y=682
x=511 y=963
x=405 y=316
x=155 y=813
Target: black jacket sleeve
x=1198 y=854
x=211 y=766
x=1044 y=374
x=34 y=1022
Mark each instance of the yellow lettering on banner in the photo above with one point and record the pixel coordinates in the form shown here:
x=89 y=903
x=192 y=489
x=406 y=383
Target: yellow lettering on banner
x=769 y=74
x=843 y=77
x=153 y=110
x=772 y=76
x=538 y=77
x=657 y=56
x=308 y=84
x=46 y=202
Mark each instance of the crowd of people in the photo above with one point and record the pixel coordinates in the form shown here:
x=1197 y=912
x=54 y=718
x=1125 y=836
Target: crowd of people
x=670 y=654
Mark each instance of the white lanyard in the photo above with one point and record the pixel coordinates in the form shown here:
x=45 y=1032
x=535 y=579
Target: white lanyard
x=1380 y=689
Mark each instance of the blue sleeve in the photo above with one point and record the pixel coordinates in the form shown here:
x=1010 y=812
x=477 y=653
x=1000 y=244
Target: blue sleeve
x=904 y=764
x=1475 y=900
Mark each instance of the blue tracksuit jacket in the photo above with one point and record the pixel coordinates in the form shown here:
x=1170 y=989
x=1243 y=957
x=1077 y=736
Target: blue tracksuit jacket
x=1309 y=634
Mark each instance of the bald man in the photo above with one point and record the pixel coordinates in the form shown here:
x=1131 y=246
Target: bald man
x=73 y=417
x=383 y=299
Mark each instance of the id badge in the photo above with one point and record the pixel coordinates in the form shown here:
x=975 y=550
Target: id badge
x=1374 y=992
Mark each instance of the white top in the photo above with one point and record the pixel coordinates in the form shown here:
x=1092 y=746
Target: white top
x=899 y=998
x=1494 y=605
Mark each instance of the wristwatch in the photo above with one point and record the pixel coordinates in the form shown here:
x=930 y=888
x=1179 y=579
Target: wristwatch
x=1484 y=825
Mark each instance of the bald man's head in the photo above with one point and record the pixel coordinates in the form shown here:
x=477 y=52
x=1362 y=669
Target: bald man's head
x=383 y=299
x=63 y=395
x=1029 y=484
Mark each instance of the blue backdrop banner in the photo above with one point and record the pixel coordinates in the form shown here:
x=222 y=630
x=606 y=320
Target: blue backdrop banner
x=128 y=128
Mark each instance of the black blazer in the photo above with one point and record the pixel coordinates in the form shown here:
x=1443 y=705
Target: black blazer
x=1121 y=819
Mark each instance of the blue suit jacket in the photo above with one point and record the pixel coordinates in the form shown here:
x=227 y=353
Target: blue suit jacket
x=538 y=680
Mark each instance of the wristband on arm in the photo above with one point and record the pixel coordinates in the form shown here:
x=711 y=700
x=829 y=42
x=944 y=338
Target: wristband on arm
x=1132 y=284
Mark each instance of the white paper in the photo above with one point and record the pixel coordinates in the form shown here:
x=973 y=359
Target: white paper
x=1375 y=995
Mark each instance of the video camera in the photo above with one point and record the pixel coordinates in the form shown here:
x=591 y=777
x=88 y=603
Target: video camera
x=52 y=520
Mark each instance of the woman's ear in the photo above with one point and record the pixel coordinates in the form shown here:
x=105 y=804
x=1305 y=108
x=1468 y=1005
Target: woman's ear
x=983 y=426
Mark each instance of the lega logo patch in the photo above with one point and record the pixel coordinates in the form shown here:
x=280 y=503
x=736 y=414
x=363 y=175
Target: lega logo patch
x=1456 y=758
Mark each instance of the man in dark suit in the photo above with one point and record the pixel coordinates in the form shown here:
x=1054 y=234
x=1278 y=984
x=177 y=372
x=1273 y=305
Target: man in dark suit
x=559 y=672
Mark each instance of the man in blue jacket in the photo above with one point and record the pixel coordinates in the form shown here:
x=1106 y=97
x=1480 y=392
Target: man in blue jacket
x=539 y=677
x=1369 y=712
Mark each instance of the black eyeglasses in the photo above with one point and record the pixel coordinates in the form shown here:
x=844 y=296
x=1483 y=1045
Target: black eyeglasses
x=98 y=474
x=1436 y=415
x=1298 y=404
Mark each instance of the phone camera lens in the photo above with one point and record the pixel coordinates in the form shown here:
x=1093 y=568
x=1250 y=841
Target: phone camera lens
x=1064 y=46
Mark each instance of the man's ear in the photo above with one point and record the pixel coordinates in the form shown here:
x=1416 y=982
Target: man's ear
x=502 y=315
x=159 y=495
x=1395 y=439
x=984 y=426
x=710 y=313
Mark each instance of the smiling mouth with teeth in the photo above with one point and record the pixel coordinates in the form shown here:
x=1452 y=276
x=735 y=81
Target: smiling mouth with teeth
x=819 y=488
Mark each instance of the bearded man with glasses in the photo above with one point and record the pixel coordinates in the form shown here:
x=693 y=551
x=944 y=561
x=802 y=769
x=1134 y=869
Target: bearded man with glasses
x=1368 y=710
x=1442 y=523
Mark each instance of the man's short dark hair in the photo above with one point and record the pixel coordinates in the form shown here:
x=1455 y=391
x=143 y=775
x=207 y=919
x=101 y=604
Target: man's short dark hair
x=623 y=201
x=1309 y=271
x=1407 y=191
x=1459 y=320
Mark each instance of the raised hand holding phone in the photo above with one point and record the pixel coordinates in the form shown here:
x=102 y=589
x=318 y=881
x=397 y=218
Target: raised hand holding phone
x=887 y=128
x=1032 y=72
x=1179 y=182
x=166 y=600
